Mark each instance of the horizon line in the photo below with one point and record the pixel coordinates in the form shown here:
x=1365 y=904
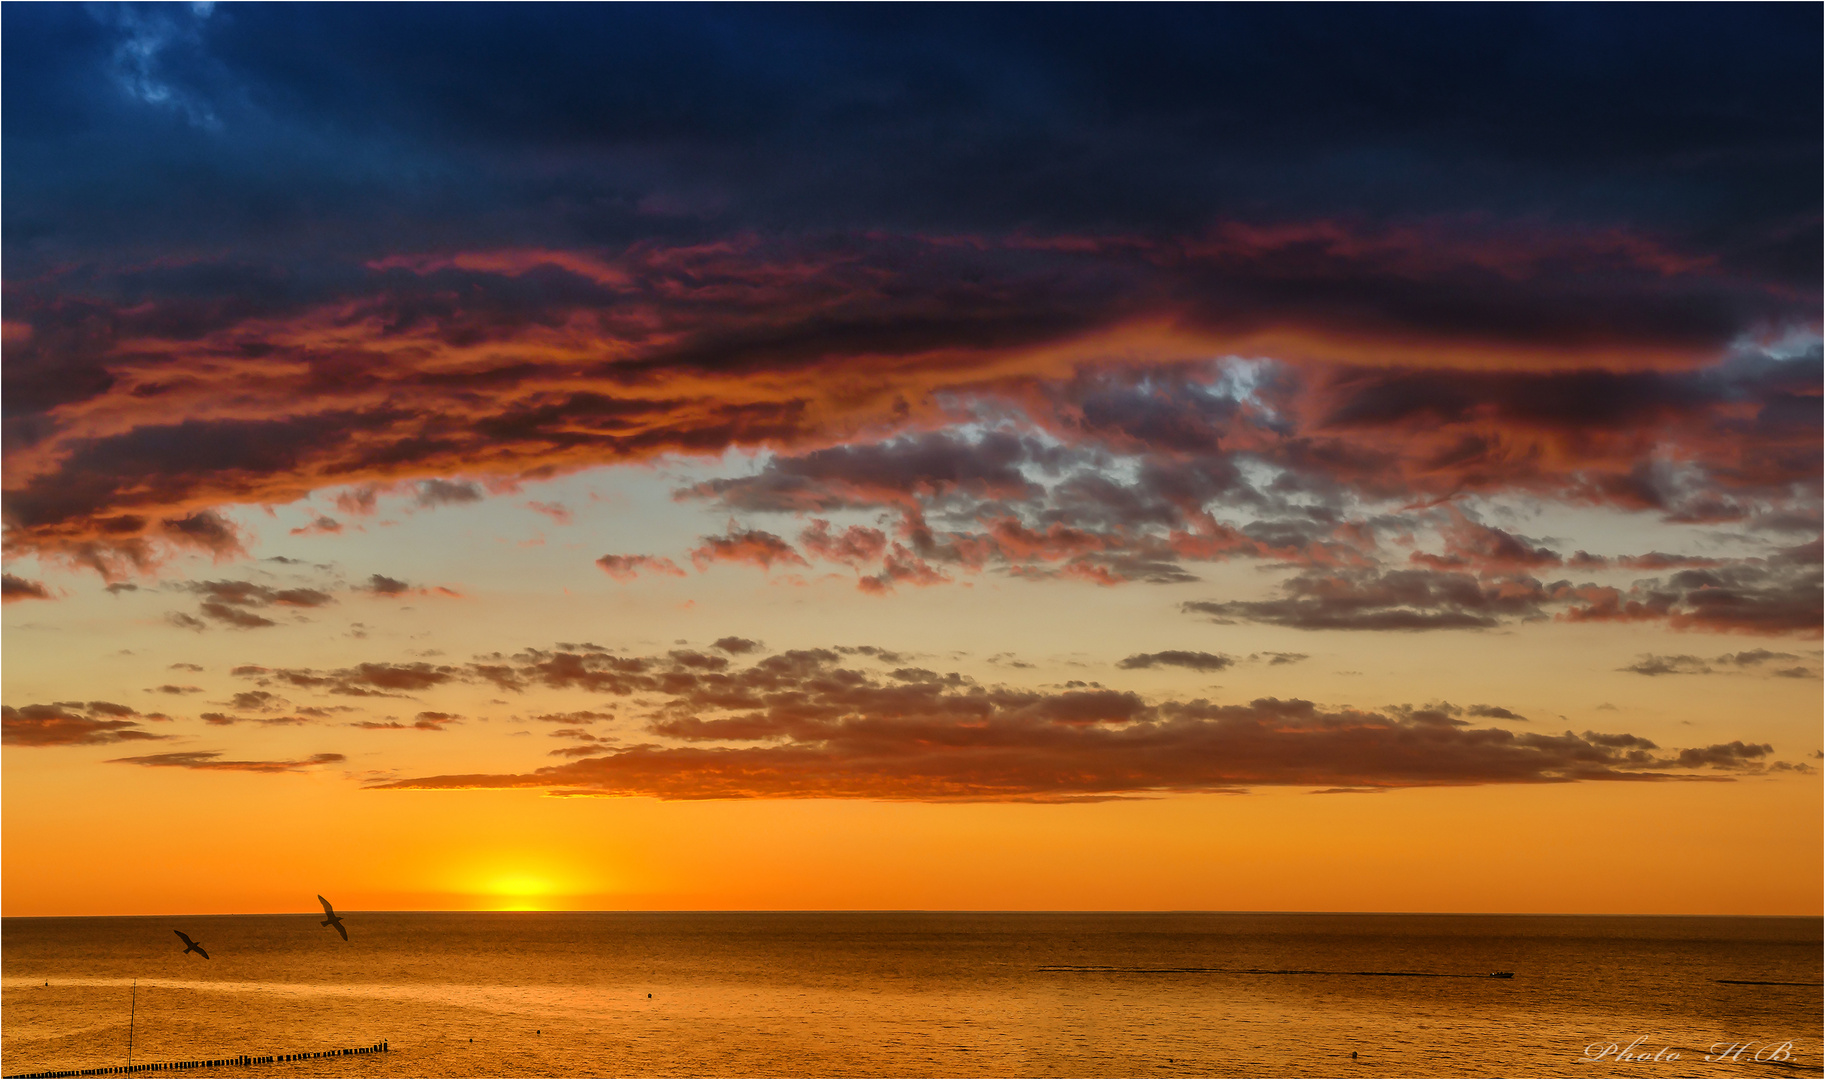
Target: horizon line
x=932 y=911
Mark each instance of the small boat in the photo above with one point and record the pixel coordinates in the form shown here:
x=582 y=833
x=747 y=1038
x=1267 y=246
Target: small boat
x=1501 y=974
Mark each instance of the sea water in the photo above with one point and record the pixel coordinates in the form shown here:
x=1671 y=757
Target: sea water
x=920 y=994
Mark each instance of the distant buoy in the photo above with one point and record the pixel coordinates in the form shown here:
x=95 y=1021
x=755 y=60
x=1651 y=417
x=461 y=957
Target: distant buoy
x=47 y=984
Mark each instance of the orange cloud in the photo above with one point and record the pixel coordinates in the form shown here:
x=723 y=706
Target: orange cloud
x=17 y=588
x=860 y=722
x=751 y=546
x=1396 y=374
x=70 y=723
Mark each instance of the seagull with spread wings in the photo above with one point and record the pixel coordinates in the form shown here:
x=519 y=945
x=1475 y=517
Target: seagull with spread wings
x=334 y=919
x=191 y=946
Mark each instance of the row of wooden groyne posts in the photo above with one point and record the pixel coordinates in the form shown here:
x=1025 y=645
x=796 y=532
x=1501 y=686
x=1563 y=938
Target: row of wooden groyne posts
x=212 y=1063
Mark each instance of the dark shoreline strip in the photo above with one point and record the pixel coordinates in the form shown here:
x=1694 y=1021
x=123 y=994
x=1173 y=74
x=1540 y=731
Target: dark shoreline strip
x=1254 y=971
x=241 y=1061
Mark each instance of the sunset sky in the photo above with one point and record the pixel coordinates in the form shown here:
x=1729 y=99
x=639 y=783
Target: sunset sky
x=1296 y=458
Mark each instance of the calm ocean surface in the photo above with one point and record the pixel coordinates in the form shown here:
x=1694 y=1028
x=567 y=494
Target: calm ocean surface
x=915 y=994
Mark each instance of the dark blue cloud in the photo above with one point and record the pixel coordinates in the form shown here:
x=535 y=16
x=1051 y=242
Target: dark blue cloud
x=598 y=124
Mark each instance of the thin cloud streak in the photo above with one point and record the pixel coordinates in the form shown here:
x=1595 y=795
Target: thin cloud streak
x=212 y=761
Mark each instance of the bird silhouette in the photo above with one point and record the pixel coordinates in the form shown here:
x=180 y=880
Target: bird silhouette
x=334 y=919
x=191 y=946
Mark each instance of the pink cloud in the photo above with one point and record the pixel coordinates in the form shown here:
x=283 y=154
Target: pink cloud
x=628 y=567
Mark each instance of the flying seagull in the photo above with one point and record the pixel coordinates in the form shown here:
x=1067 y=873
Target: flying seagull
x=191 y=946
x=334 y=919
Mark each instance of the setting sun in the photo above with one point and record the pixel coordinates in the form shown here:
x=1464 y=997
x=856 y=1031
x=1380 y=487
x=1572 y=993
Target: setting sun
x=519 y=893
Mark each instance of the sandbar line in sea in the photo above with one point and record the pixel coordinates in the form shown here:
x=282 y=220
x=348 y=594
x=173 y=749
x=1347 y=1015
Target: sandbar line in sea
x=1090 y=968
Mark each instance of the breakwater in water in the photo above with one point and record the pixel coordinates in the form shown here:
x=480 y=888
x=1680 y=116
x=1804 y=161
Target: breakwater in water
x=238 y=1061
